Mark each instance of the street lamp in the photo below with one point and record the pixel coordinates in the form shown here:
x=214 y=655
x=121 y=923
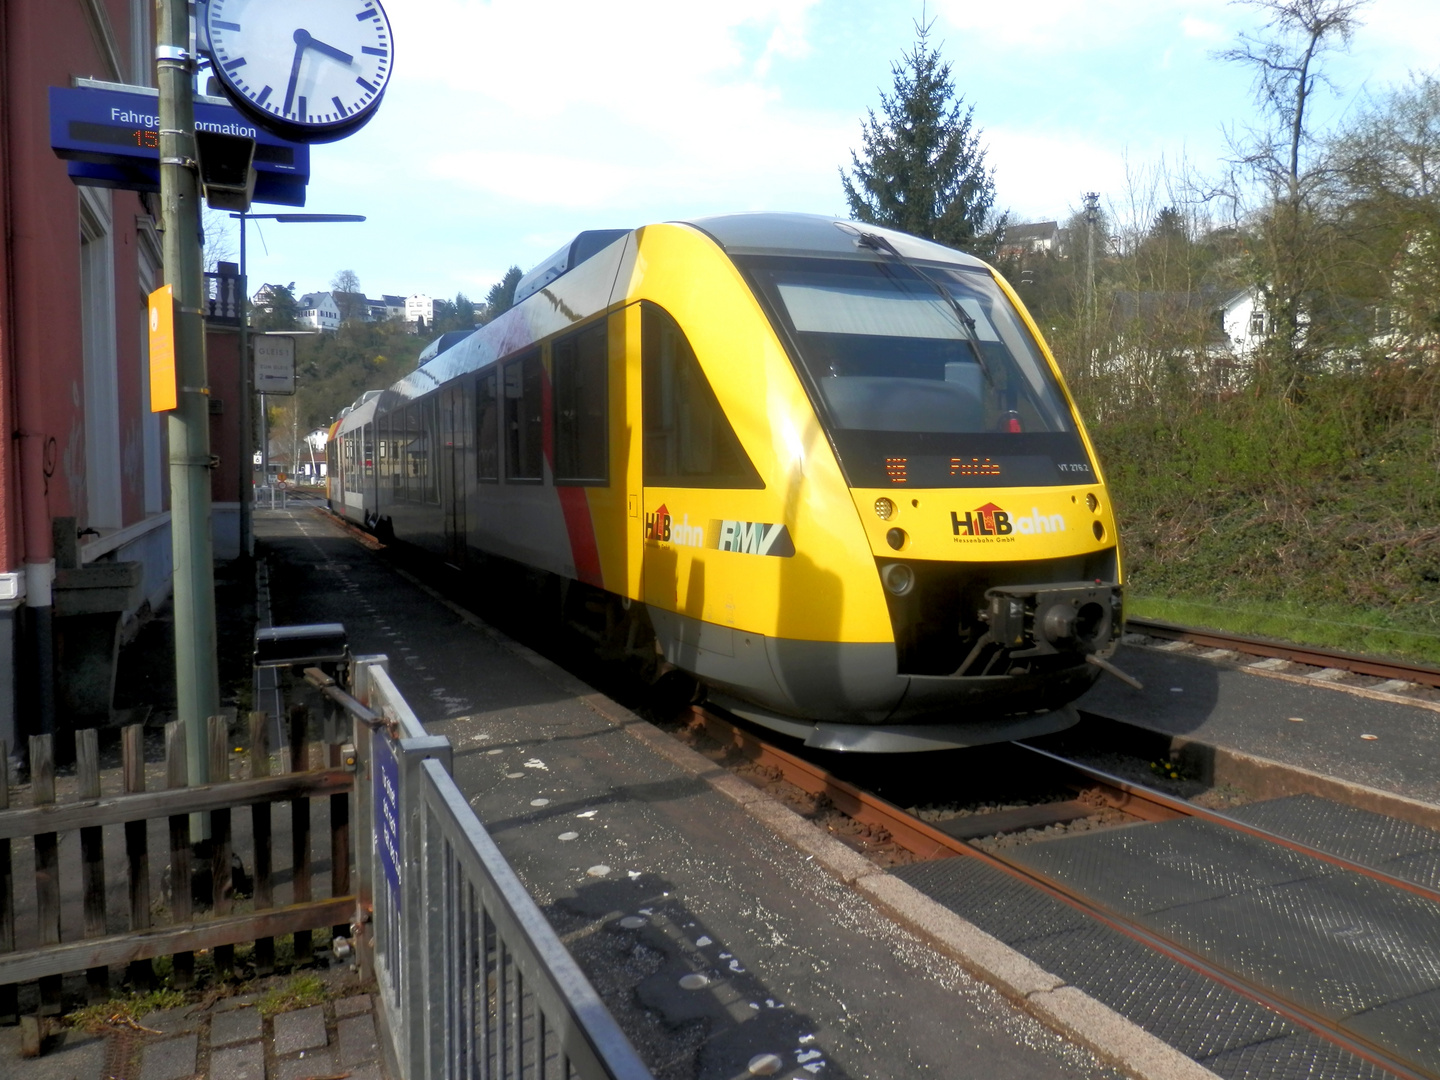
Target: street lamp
x=247 y=529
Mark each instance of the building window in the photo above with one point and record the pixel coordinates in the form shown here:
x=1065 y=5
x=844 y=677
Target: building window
x=688 y=440
x=1257 y=323
x=102 y=390
x=151 y=276
x=580 y=401
x=524 y=419
x=487 y=420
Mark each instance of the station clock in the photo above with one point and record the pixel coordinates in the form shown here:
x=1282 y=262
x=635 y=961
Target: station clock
x=311 y=72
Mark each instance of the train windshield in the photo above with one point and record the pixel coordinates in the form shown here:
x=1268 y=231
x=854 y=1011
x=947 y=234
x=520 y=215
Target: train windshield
x=922 y=372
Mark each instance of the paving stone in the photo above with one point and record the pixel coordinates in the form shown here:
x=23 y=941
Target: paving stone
x=179 y=1021
x=71 y=1057
x=239 y=1001
x=356 y=1038
x=234 y=1026
x=303 y=1029
x=243 y=1062
x=365 y=1072
x=349 y=1006
x=169 y=1060
x=309 y=1063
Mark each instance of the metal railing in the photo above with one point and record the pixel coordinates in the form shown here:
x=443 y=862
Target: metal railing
x=473 y=981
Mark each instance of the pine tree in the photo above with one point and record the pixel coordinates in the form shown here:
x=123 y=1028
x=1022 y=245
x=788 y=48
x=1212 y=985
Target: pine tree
x=923 y=166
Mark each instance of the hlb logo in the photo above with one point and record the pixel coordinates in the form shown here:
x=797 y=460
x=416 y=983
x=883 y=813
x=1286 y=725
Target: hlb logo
x=660 y=526
x=987 y=520
x=990 y=520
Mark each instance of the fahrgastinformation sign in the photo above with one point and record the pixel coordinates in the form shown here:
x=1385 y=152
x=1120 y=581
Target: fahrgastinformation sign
x=109 y=135
x=274 y=364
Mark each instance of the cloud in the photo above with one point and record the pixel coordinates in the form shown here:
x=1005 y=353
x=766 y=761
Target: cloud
x=1212 y=33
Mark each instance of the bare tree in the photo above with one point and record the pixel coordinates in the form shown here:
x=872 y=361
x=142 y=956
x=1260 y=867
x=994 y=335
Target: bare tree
x=1286 y=59
x=345 y=286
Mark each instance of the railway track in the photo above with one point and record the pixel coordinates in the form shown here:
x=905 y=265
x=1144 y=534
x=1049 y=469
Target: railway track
x=970 y=838
x=1397 y=670
x=957 y=837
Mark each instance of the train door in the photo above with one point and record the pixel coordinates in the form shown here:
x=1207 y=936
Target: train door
x=454 y=441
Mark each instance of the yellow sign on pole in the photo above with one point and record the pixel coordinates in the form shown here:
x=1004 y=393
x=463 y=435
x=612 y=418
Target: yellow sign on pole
x=161 y=312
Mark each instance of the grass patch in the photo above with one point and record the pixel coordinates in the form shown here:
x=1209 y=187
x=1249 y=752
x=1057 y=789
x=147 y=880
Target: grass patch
x=124 y=1009
x=297 y=992
x=1312 y=520
x=1371 y=633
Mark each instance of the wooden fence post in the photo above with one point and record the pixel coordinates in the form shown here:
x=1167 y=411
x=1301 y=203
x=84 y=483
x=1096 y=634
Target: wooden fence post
x=9 y=997
x=47 y=863
x=221 y=887
x=339 y=845
x=300 y=827
x=260 y=826
x=181 y=885
x=92 y=856
x=137 y=846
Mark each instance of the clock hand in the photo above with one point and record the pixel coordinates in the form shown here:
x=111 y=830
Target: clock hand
x=302 y=42
x=331 y=51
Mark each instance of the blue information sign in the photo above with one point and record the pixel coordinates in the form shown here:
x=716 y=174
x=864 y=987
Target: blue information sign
x=387 y=813
x=111 y=138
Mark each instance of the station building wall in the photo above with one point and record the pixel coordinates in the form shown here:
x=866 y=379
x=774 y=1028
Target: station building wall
x=77 y=265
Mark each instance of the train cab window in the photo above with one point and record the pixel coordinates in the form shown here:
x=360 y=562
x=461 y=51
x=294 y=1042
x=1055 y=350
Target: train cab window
x=688 y=440
x=920 y=371
x=524 y=419
x=487 y=426
x=369 y=451
x=580 y=402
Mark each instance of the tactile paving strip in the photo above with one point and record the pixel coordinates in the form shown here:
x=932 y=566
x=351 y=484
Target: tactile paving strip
x=1200 y=1018
x=1397 y=847
x=1336 y=943
x=1302 y=1056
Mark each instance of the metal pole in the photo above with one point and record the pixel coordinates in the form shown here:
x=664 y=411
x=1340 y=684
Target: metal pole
x=265 y=445
x=247 y=433
x=197 y=681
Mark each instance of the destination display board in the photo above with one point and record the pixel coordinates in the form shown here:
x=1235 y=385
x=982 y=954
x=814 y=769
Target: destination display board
x=109 y=136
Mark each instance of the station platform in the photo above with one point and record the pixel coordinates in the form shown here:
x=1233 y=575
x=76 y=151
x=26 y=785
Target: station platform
x=1307 y=724
x=648 y=871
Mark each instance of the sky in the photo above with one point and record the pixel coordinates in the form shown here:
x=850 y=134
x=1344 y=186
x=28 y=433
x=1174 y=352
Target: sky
x=509 y=126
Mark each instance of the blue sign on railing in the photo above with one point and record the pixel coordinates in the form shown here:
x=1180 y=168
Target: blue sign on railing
x=110 y=138
x=387 y=813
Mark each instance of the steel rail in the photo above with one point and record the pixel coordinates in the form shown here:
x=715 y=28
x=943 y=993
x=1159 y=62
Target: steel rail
x=1301 y=654
x=928 y=842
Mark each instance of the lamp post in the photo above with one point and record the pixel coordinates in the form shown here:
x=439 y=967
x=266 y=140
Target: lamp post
x=247 y=379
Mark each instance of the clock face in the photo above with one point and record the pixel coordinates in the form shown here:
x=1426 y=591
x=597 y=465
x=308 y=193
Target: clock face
x=309 y=71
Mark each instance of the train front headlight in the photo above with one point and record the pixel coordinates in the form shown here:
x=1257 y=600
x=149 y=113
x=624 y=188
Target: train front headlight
x=898 y=578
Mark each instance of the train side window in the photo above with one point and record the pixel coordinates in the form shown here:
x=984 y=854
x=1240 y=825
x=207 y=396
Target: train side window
x=580 y=401
x=430 y=438
x=369 y=450
x=524 y=418
x=382 y=439
x=688 y=440
x=487 y=435
x=408 y=450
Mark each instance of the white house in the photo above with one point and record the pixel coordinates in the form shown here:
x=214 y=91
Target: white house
x=320 y=311
x=1245 y=322
x=420 y=310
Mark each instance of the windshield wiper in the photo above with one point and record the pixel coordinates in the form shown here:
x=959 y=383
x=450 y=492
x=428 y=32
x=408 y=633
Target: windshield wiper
x=876 y=242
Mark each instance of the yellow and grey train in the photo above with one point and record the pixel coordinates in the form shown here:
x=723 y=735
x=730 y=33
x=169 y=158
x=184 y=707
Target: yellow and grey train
x=831 y=470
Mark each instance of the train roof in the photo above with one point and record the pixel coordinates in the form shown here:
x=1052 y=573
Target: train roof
x=815 y=235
